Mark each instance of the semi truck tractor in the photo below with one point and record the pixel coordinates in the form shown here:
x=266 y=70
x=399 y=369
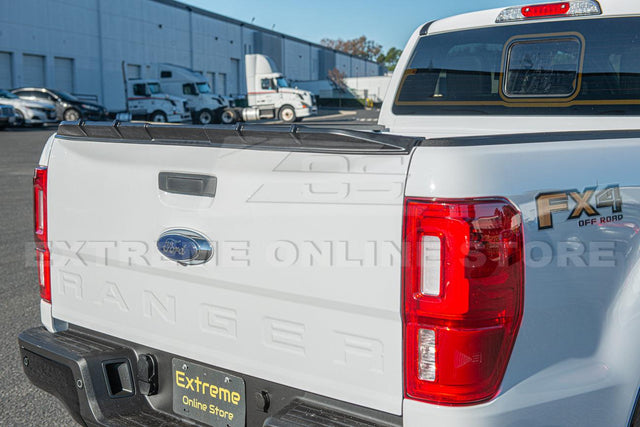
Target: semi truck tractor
x=475 y=263
x=146 y=100
x=270 y=96
x=206 y=107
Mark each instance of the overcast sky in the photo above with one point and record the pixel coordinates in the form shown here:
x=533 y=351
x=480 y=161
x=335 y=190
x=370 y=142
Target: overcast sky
x=389 y=23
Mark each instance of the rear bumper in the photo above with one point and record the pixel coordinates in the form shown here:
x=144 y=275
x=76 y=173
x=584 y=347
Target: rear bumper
x=71 y=366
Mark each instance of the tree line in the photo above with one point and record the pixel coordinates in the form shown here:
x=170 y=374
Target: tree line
x=363 y=47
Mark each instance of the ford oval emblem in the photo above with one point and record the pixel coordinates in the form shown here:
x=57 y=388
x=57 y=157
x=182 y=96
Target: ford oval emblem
x=186 y=247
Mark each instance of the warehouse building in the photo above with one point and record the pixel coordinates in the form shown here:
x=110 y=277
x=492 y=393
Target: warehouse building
x=79 y=46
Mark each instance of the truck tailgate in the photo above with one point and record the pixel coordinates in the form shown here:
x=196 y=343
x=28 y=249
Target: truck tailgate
x=304 y=287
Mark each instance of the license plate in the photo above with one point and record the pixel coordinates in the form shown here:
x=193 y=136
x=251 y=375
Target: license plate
x=207 y=395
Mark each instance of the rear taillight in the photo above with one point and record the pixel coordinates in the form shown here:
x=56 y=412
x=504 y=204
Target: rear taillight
x=40 y=232
x=463 y=296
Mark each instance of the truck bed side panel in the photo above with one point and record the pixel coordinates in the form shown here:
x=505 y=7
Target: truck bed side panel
x=575 y=358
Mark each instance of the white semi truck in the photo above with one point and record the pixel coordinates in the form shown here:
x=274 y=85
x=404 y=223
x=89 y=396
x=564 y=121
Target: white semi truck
x=206 y=107
x=146 y=100
x=269 y=95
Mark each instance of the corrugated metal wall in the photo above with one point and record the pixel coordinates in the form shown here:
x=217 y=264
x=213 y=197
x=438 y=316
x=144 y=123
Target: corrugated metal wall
x=327 y=61
x=79 y=46
x=33 y=70
x=5 y=70
x=63 y=72
x=270 y=45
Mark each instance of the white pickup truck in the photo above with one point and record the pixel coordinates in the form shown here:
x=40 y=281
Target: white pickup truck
x=475 y=264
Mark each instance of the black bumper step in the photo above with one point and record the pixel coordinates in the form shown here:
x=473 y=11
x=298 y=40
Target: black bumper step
x=104 y=381
x=302 y=413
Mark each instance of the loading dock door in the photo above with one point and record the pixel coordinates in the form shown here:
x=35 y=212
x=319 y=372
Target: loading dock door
x=234 y=78
x=221 y=86
x=211 y=78
x=6 y=82
x=33 y=70
x=64 y=74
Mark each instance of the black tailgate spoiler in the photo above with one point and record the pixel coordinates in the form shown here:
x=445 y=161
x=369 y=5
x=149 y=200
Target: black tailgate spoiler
x=242 y=136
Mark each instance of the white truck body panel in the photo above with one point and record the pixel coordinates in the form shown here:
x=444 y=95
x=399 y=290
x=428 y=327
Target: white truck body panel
x=340 y=315
x=576 y=288
x=329 y=323
x=258 y=65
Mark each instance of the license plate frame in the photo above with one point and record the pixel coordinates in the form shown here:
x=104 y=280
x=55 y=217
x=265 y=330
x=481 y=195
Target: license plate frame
x=208 y=395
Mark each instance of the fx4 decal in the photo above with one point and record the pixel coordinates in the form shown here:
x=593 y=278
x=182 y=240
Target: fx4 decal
x=587 y=202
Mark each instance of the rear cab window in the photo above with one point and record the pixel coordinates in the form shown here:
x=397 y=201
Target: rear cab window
x=586 y=66
x=543 y=67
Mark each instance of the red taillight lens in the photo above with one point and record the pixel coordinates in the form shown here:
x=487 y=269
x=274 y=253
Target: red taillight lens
x=40 y=232
x=458 y=340
x=540 y=10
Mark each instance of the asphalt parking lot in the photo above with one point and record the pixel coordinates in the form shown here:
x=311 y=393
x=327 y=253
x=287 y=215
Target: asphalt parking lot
x=21 y=404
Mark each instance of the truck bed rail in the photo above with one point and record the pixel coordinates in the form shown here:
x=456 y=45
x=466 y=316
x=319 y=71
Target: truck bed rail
x=256 y=137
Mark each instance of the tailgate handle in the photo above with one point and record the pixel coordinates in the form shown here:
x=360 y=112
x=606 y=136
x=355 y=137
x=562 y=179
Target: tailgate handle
x=188 y=184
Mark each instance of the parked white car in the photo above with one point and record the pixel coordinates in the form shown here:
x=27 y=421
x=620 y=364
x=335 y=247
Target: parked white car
x=29 y=112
